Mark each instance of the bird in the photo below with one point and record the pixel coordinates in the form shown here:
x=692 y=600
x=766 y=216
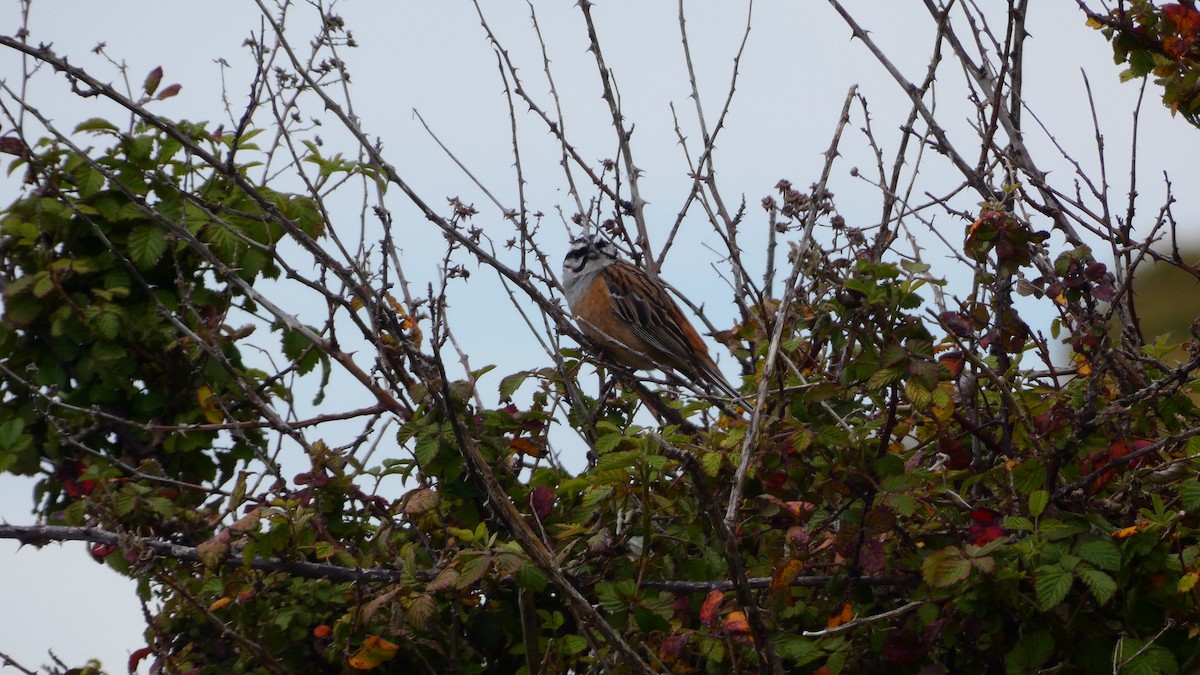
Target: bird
x=629 y=313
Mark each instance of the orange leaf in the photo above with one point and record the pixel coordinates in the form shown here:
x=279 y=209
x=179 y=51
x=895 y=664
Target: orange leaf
x=322 y=631
x=1186 y=19
x=711 y=607
x=784 y=576
x=841 y=617
x=221 y=602
x=524 y=446
x=954 y=362
x=374 y=652
x=736 y=624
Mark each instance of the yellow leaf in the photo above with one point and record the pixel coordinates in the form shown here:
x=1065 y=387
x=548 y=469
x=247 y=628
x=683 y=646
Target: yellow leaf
x=226 y=600
x=374 y=652
x=1188 y=582
x=1126 y=532
x=208 y=404
x=1092 y=22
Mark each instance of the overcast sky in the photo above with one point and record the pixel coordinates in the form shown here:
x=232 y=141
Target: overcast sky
x=433 y=57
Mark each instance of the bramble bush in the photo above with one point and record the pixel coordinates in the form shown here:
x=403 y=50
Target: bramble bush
x=914 y=482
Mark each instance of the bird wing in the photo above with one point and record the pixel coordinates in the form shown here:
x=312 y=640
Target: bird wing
x=644 y=305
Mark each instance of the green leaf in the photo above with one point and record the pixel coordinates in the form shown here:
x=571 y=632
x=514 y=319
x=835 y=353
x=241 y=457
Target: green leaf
x=1052 y=584
x=89 y=180
x=575 y=644
x=42 y=285
x=711 y=463
x=1101 y=553
x=511 y=383
x=147 y=243
x=1038 y=499
x=95 y=124
x=945 y=568
x=1031 y=651
x=608 y=442
x=473 y=570
x=531 y=577
x=1018 y=523
x=1189 y=495
x=797 y=648
x=1100 y=584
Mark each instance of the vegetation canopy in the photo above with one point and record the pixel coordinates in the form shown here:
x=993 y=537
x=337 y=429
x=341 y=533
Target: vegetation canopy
x=915 y=480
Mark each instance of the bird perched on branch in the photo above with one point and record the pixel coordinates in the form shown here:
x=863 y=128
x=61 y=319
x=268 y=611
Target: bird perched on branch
x=630 y=314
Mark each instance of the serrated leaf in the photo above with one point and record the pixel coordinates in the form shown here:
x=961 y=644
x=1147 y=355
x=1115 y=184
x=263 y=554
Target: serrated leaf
x=1101 y=553
x=1189 y=496
x=419 y=610
x=529 y=576
x=1099 y=583
x=447 y=578
x=607 y=442
x=511 y=383
x=421 y=500
x=473 y=570
x=89 y=180
x=593 y=496
x=945 y=568
x=147 y=243
x=1017 y=523
x=1038 y=499
x=1052 y=583
x=711 y=463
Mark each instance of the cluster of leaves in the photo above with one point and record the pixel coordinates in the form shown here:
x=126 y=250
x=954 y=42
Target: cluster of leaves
x=116 y=345
x=1163 y=41
x=915 y=501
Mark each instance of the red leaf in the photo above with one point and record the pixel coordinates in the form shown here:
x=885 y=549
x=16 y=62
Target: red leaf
x=12 y=145
x=983 y=534
x=136 y=658
x=672 y=648
x=904 y=647
x=959 y=323
x=984 y=528
x=984 y=516
x=872 y=557
x=542 y=500
x=957 y=456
